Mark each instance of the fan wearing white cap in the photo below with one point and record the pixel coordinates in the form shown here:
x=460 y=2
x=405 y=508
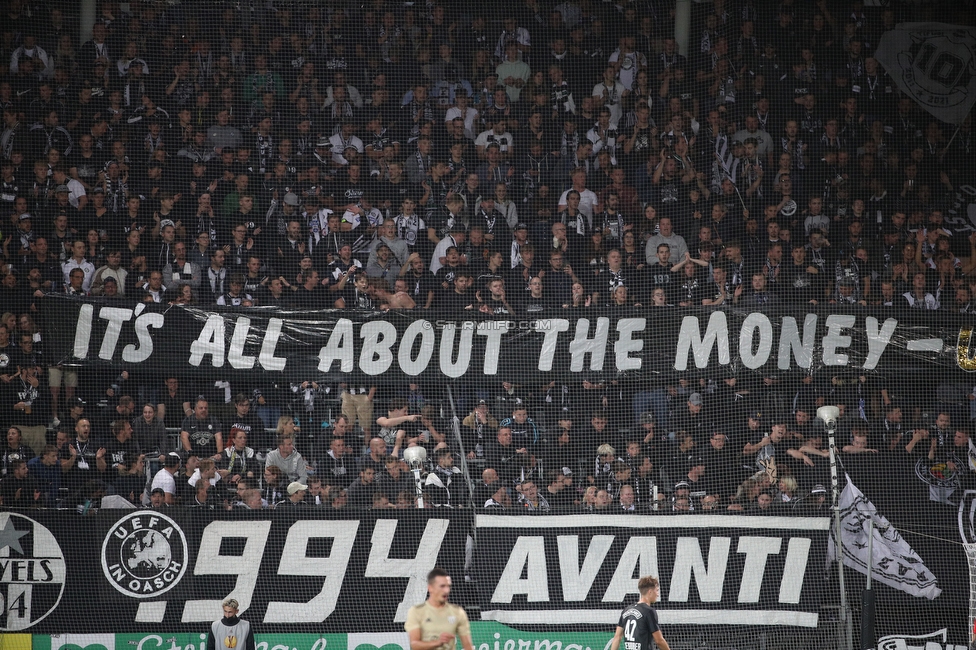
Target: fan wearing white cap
x=296 y=494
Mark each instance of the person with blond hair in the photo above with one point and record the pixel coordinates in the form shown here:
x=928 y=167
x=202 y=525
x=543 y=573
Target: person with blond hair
x=231 y=632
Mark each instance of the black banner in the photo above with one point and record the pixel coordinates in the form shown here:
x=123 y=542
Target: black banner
x=714 y=569
x=639 y=342
x=301 y=569
x=322 y=571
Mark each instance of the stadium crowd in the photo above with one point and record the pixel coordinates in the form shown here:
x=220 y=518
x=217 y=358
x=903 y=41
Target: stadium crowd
x=443 y=159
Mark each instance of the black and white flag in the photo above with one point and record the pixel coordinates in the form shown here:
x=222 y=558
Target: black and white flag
x=934 y=64
x=893 y=561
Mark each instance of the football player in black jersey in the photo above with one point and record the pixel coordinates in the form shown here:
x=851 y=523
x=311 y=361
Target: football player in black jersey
x=638 y=625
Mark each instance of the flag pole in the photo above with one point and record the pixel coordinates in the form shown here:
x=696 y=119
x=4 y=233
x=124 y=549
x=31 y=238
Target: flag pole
x=868 y=596
x=725 y=168
x=949 y=143
x=829 y=416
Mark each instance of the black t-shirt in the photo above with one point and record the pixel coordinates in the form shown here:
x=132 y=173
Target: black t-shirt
x=346 y=192
x=691 y=290
x=453 y=302
x=252 y=425
x=418 y=287
x=797 y=285
x=203 y=434
x=356 y=299
x=660 y=276
x=17 y=493
x=447 y=273
x=118 y=453
x=396 y=192
x=563 y=499
x=174 y=406
x=639 y=622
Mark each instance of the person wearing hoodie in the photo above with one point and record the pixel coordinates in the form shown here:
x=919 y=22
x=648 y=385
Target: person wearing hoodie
x=287 y=458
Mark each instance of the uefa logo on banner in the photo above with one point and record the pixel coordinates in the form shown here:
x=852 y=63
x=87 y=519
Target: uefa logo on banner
x=144 y=554
x=32 y=572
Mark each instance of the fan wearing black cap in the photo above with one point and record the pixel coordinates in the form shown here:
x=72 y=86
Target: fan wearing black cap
x=61 y=205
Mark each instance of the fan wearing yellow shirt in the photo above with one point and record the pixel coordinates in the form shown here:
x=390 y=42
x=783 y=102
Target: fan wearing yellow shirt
x=437 y=624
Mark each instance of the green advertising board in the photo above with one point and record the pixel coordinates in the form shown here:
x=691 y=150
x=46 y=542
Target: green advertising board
x=485 y=634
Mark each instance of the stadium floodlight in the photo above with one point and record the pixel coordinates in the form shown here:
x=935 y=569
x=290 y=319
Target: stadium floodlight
x=829 y=416
x=415 y=458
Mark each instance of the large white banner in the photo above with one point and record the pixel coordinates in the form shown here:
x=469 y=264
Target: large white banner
x=934 y=64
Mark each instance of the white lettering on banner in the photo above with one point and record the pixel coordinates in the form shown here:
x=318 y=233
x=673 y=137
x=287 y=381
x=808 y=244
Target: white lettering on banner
x=32 y=573
x=878 y=340
x=789 y=341
x=710 y=579
x=577 y=580
x=267 y=358
x=449 y=366
x=640 y=551
x=625 y=344
x=83 y=331
x=751 y=575
x=153 y=548
x=757 y=550
x=340 y=346
x=115 y=317
x=796 y=567
x=836 y=323
x=245 y=565
x=134 y=354
x=381 y=565
x=552 y=328
x=690 y=340
x=408 y=364
x=144 y=555
x=210 y=341
x=755 y=358
x=596 y=347
x=378 y=337
x=244 y=342
x=493 y=331
x=235 y=356
x=295 y=562
x=528 y=554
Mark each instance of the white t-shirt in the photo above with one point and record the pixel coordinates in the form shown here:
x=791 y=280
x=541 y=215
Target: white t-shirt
x=440 y=251
x=613 y=99
x=630 y=64
x=339 y=147
x=193 y=480
x=485 y=138
x=164 y=480
x=588 y=201
x=75 y=191
x=469 y=117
